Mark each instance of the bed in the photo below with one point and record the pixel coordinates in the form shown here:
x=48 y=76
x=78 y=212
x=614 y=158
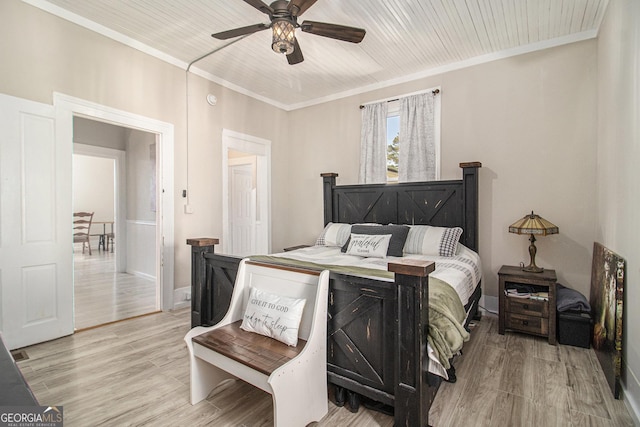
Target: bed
x=377 y=340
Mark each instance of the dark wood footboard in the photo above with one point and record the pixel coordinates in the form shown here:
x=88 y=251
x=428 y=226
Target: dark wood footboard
x=212 y=280
x=376 y=329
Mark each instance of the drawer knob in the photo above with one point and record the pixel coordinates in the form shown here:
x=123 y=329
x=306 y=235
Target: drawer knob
x=525 y=322
x=525 y=306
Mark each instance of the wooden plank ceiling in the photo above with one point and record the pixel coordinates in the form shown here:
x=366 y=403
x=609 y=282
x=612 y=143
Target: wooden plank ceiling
x=405 y=39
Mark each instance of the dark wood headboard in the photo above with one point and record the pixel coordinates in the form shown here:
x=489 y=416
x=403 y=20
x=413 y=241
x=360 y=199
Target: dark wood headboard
x=440 y=203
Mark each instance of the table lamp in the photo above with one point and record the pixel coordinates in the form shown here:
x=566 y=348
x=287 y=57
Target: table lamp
x=533 y=224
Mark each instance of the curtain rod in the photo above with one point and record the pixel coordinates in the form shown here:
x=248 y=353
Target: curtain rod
x=433 y=92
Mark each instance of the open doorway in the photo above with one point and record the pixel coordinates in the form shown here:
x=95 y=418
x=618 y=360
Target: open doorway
x=67 y=108
x=114 y=177
x=246 y=189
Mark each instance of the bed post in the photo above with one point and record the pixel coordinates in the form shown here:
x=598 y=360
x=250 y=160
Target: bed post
x=328 y=184
x=411 y=396
x=199 y=292
x=470 y=198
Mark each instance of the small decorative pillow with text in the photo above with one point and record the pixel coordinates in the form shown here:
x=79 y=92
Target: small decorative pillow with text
x=398 y=235
x=273 y=316
x=334 y=234
x=428 y=240
x=369 y=245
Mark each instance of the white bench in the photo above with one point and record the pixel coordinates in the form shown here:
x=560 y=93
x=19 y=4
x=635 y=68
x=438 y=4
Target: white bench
x=296 y=377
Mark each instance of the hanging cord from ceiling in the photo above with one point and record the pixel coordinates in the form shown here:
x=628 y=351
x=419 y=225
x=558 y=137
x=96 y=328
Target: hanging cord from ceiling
x=186 y=193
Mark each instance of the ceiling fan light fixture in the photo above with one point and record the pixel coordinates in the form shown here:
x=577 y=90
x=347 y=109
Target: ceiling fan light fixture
x=284 y=33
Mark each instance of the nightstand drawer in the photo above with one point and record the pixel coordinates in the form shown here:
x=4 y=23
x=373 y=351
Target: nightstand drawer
x=531 y=324
x=527 y=307
x=534 y=315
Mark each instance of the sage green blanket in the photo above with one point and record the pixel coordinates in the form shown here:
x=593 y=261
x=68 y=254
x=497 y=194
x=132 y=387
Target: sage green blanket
x=446 y=312
x=446 y=317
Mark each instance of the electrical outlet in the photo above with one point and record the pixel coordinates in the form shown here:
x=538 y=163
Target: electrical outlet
x=187 y=296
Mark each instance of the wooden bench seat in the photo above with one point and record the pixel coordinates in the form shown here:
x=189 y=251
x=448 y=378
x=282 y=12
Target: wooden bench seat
x=261 y=353
x=296 y=377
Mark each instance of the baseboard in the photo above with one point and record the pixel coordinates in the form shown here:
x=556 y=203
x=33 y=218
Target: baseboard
x=142 y=275
x=182 y=298
x=489 y=304
x=630 y=393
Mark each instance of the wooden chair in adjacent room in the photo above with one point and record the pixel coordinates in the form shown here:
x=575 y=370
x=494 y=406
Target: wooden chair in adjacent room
x=81 y=228
x=108 y=239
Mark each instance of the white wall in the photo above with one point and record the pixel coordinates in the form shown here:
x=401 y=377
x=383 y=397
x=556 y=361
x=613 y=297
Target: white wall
x=141 y=204
x=618 y=174
x=141 y=245
x=93 y=190
x=92 y=132
x=141 y=173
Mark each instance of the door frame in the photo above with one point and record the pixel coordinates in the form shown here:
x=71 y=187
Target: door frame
x=261 y=148
x=67 y=107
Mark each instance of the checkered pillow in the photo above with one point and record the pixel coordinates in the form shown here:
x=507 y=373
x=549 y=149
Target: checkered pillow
x=334 y=234
x=428 y=240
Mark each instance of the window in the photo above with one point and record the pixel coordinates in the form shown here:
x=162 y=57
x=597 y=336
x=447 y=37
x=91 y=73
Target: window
x=384 y=156
x=394 y=145
x=393 y=139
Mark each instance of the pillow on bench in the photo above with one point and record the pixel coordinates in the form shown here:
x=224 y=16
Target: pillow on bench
x=273 y=316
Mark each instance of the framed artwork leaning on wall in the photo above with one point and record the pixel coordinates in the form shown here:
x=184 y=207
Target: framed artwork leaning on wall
x=606 y=299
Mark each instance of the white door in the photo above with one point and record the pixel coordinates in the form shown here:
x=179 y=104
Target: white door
x=260 y=150
x=36 y=252
x=243 y=210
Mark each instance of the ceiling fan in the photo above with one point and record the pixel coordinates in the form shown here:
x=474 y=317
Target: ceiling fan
x=284 y=21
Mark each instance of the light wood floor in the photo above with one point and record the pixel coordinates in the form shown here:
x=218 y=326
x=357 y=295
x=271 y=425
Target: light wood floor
x=101 y=295
x=136 y=373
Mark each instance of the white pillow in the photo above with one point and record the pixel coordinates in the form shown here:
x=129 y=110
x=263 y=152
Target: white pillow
x=369 y=245
x=273 y=316
x=428 y=240
x=334 y=234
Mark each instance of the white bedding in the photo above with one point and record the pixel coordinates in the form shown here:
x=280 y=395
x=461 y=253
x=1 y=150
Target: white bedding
x=462 y=272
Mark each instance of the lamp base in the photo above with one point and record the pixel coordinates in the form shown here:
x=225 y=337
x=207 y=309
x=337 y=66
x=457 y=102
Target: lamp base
x=533 y=269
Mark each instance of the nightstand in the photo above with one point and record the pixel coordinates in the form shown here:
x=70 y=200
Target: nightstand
x=528 y=315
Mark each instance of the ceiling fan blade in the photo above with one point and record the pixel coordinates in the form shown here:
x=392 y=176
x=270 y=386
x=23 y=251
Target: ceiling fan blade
x=239 y=31
x=262 y=7
x=334 y=31
x=298 y=7
x=296 y=56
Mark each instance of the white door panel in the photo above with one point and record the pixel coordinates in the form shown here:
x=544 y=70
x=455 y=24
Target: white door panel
x=36 y=275
x=243 y=210
x=260 y=150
